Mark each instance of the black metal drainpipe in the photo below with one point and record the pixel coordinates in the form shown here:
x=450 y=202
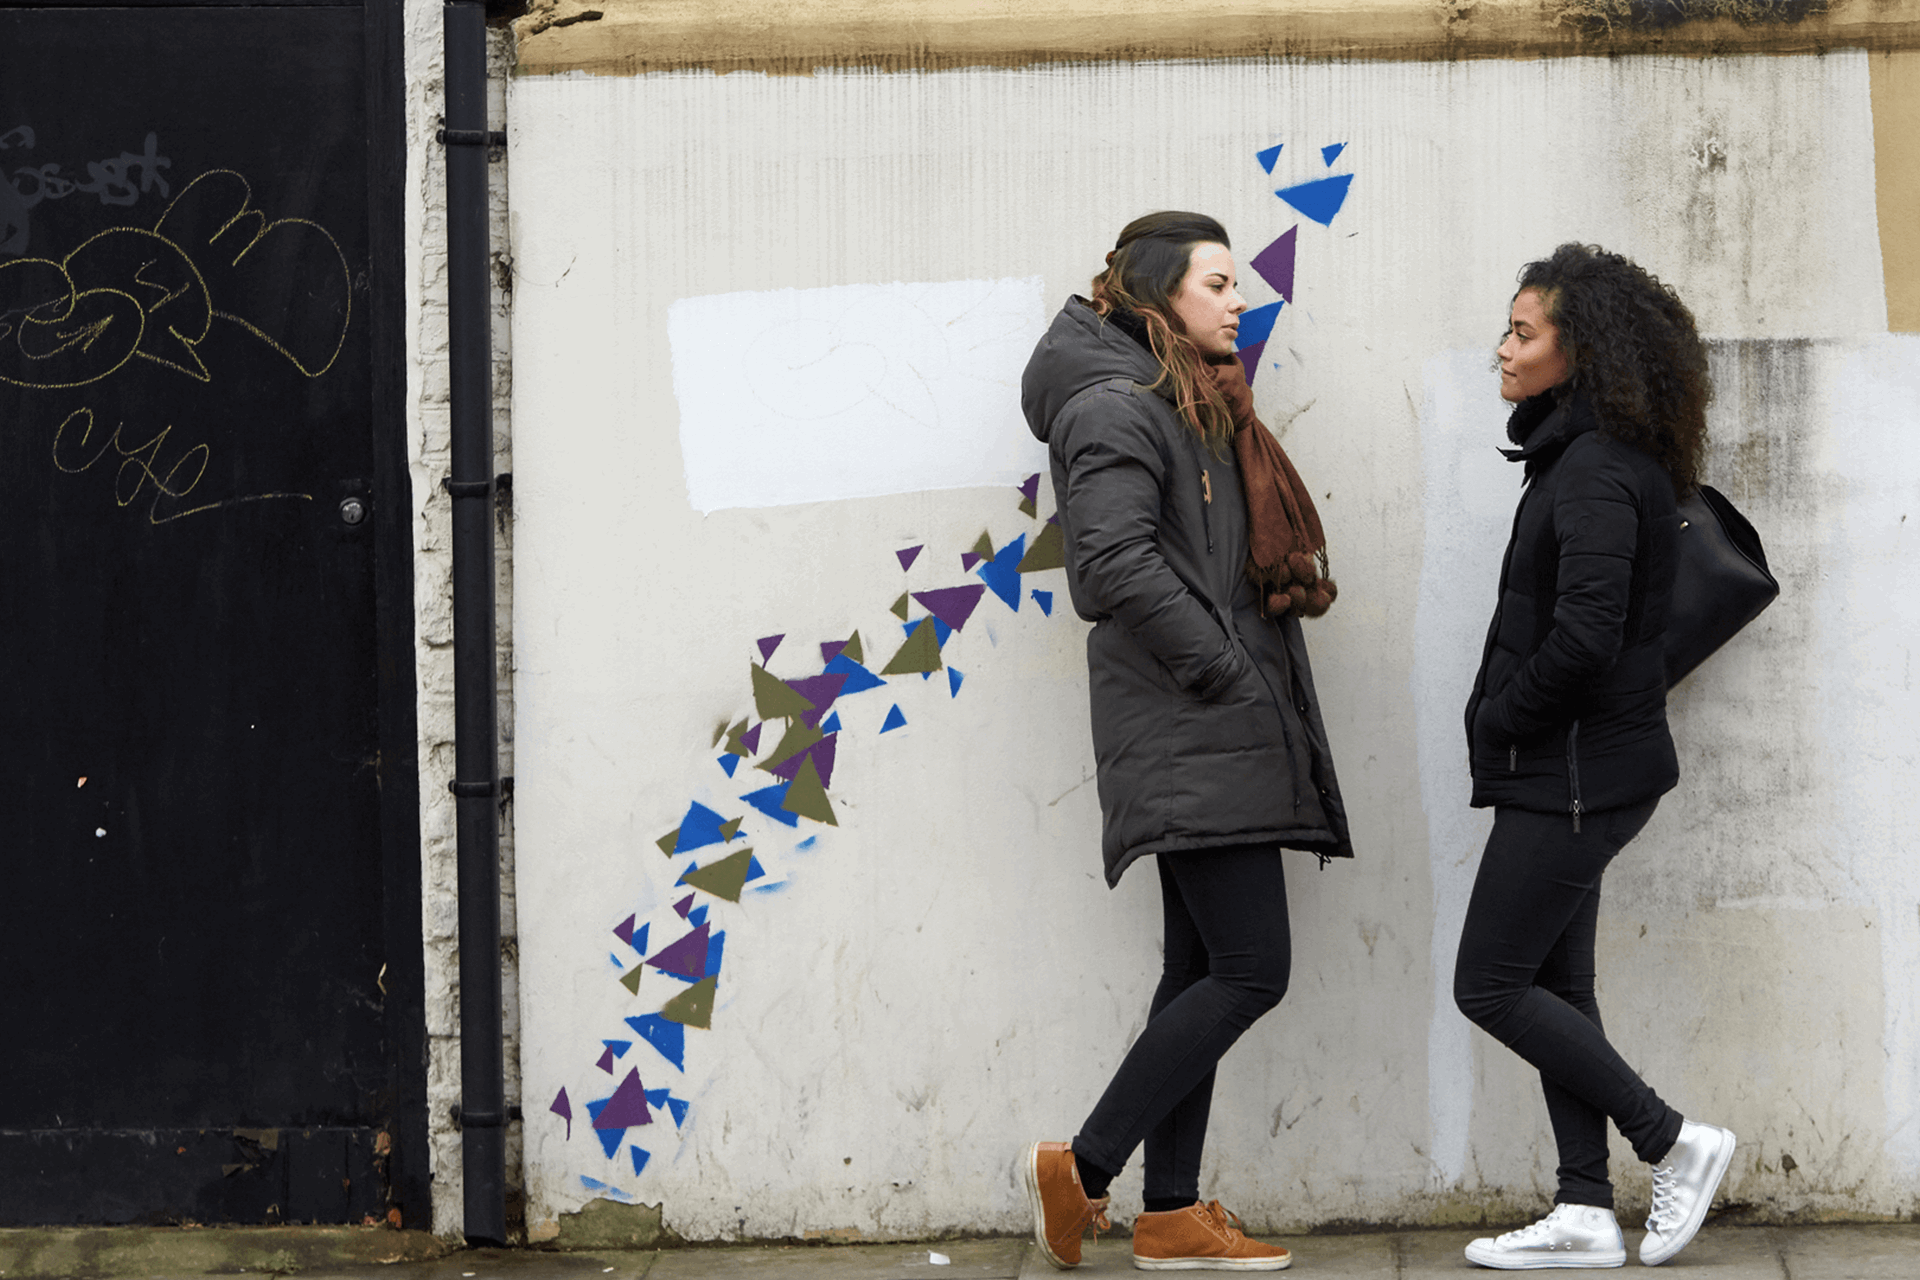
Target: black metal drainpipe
x=476 y=783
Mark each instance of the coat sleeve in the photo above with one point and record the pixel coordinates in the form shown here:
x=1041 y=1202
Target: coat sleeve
x=1596 y=521
x=1116 y=478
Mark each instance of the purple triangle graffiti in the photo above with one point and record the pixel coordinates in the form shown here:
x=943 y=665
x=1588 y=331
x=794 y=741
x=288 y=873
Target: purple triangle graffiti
x=820 y=690
x=1275 y=265
x=628 y=1105
x=952 y=605
x=1250 y=360
x=686 y=958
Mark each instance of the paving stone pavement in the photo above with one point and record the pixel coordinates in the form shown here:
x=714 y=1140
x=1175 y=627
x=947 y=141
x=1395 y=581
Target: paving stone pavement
x=1880 y=1252
x=1890 y=1252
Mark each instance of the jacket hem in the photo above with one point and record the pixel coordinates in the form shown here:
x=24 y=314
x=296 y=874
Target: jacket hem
x=1318 y=841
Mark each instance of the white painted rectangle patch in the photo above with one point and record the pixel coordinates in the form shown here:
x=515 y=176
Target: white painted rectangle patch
x=812 y=395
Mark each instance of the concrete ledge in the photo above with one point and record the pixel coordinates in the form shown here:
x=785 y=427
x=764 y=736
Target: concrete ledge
x=78 y=1253
x=798 y=37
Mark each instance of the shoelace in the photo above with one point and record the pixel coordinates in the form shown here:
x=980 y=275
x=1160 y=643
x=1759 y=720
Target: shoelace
x=1664 y=1207
x=1529 y=1233
x=1096 y=1216
x=1223 y=1216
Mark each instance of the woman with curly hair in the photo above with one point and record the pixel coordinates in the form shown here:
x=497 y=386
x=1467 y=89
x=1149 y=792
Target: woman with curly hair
x=1193 y=549
x=1567 y=727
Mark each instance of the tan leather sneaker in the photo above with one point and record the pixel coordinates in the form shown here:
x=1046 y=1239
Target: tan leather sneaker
x=1061 y=1210
x=1201 y=1237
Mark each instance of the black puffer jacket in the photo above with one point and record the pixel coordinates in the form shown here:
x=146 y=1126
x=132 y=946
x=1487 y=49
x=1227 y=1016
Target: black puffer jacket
x=1206 y=728
x=1569 y=711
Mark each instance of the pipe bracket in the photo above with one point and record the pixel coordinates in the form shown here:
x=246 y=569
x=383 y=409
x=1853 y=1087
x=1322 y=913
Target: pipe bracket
x=471 y=137
x=469 y=488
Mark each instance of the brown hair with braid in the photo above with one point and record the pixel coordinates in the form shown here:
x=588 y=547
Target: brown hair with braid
x=1143 y=273
x=1632 y=347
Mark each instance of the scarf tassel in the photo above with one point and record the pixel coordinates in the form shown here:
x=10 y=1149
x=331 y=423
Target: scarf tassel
x=1287 y=549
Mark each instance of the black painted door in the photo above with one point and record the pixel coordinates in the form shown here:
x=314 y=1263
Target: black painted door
x=193 y=896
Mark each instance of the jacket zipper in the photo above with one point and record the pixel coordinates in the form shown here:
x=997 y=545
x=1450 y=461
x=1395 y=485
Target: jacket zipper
x=1573 y=772
x=1206 y=508
x=1513 y=759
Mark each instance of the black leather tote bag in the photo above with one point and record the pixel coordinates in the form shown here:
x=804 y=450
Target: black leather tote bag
x=1721 y=583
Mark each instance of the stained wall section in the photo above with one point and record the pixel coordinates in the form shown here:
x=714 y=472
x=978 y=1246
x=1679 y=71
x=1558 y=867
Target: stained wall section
x=905 y=995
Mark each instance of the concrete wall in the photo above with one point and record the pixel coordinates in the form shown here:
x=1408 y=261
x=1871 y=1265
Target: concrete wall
x=717 y=369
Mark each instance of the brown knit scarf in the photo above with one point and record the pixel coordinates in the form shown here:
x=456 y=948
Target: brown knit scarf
x=1286 y=548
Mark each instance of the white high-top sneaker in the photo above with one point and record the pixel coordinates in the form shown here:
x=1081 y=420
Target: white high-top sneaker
x=1683 y=1187
x=1573 y=1235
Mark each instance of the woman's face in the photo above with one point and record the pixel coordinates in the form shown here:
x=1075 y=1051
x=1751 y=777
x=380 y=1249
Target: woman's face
x=1206 y=303
x=1530 y=356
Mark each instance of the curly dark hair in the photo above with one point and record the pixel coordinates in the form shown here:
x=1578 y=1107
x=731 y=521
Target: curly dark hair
x=1632 y=347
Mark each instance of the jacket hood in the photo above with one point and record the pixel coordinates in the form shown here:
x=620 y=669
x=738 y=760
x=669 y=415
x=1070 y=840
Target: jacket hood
x=1080 y=350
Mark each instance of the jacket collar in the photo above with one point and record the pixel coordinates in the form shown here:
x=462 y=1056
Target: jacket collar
x=1544 y=425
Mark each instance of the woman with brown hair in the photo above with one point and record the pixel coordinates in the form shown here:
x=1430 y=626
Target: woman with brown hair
x=1567 y=727
x=1194 y=550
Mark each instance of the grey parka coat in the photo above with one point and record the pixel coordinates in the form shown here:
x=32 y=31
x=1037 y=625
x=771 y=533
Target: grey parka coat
x=1206 y=727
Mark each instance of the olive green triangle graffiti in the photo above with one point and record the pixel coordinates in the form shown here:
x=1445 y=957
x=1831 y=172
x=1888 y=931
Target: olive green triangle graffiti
x=1049 y=551
x=921 y=652
x=694 y=1006
x=806 y=797
x=723 y=879
x=773 y=699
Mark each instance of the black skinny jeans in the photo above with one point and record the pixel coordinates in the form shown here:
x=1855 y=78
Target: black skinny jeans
x=1229 y=952
x=1525 y=975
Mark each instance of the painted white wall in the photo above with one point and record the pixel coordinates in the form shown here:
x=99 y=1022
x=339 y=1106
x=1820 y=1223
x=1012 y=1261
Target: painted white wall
x=942 y=977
